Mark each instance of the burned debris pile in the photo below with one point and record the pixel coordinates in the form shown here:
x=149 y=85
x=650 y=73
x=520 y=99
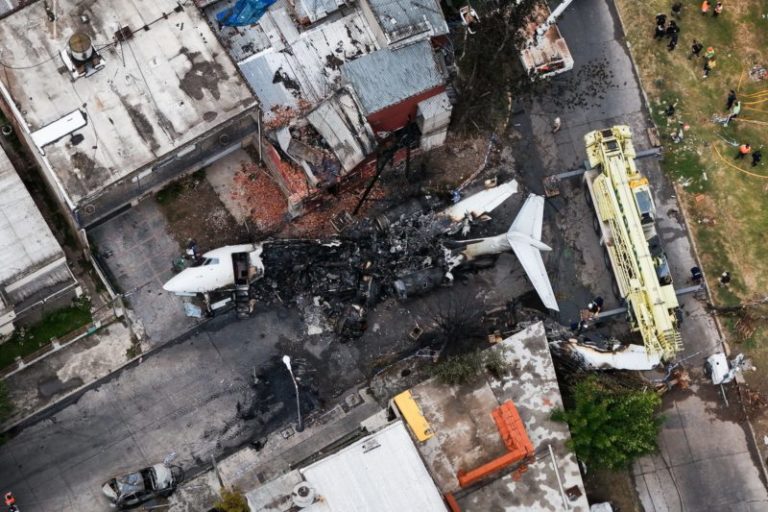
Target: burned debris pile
x=404 y=252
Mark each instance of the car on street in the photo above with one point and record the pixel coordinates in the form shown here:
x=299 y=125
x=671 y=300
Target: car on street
x=133 y=489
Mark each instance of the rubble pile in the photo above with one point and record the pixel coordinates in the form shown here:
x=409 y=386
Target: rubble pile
x=406 y=251
x=266 y=205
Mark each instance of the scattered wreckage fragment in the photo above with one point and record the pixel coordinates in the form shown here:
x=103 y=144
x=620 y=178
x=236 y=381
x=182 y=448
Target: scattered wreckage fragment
x=606 y=354
x=722 y=371
x=404 y=252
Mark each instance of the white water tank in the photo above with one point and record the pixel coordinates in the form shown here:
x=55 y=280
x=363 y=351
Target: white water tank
x=80 y=47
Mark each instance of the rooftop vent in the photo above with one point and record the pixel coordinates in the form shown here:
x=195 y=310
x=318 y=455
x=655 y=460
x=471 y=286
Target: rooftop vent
x=303 y=495
x=81 y=58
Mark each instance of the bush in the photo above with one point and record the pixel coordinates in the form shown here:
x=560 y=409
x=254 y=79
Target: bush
x=461 y=369
x=232 y=500
x=610 y=428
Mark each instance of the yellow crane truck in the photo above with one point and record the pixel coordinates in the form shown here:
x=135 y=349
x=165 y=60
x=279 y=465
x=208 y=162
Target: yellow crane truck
x=625 y=221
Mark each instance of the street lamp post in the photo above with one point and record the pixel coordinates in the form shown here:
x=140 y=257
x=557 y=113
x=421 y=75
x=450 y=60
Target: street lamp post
x=287 y=363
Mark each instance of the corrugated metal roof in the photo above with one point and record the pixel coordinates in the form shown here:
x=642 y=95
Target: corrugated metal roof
x=379 y=473
x=387 y=77
x=339 y=121
x=401 y=19
x=313 y=10
x=26 y=241
x=310 y=69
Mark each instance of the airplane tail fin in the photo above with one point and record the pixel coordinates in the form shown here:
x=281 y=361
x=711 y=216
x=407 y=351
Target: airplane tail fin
x=525 y=238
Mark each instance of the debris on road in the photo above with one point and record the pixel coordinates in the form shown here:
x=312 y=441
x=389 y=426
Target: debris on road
x=406 y=251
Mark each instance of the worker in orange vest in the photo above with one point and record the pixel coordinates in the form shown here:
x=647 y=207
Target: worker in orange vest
x=705 y=7
x=744 y=150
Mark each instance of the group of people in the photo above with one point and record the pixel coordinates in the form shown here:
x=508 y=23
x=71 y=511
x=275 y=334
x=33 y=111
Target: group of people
x=733 y=107
x=670 y=31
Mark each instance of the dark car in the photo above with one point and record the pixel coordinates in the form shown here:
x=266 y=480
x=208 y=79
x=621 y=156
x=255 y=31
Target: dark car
x=158 y=481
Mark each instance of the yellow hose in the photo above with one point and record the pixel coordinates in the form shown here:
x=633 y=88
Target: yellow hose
x=751 y=121
x=714 y=148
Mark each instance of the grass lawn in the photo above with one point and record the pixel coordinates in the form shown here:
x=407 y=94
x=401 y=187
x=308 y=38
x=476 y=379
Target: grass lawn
x=727 y=199
x=24 y=341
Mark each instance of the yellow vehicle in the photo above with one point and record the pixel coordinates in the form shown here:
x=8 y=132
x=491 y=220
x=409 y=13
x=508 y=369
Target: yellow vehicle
x=625 y=221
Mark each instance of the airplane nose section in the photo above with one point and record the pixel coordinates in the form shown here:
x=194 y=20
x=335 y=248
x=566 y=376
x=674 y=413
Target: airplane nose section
x=175 y=284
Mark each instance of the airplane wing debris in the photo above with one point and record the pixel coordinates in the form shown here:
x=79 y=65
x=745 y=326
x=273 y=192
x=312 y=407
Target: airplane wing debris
x=483 y=202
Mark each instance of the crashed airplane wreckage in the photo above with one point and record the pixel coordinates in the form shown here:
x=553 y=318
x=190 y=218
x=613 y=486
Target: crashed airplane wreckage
x=407 y=251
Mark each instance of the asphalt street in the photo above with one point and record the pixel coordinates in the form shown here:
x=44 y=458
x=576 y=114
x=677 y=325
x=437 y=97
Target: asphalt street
x=194 y=397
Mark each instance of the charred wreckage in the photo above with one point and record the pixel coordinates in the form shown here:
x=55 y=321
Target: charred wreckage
x=409 y=250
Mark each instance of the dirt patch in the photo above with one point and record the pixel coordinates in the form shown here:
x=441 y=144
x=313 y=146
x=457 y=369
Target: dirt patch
x=452 y=163
x=617 y=487
x=194 y=211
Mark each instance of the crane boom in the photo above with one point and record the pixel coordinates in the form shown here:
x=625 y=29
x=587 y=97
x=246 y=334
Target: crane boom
x=625 y=213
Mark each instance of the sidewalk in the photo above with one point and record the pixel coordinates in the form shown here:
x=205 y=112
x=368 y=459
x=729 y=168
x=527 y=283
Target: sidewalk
x=60 y=373
x=281 y=450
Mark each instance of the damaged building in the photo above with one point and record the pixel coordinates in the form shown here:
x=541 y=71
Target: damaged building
x=114 y=99
x=336 y=79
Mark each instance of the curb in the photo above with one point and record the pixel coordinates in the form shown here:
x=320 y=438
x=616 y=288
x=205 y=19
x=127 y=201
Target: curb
x=718 y=325
x=73 y=396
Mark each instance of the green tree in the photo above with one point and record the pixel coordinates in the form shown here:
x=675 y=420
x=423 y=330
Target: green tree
x=232 y=500
x=6 y=407
x=610 y=427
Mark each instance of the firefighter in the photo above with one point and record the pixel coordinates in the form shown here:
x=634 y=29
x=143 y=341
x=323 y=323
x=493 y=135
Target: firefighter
x=744 y=150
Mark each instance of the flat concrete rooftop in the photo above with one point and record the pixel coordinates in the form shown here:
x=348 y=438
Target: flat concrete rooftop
x=166 y=84
x=466 y=436
x=26 y=241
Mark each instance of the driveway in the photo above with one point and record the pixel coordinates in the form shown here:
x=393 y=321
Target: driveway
x=137 y=250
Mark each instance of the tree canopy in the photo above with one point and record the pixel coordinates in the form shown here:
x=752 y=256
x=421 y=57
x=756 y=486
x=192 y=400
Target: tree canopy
x=610 y=428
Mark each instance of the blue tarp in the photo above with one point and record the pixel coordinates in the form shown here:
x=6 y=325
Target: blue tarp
x=244 y=12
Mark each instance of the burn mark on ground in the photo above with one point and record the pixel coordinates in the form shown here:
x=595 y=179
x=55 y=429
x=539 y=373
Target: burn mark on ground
x=209 y=116
x=204 y=75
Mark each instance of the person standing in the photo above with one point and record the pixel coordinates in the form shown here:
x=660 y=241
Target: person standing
x=705 y=7
x=744 y=150
x=725 y=278
x=696 y=48
x=672 y=42
x=677 y=7
x=672 y=28
x=660 y=31
x=717 y=10
x=731 y=99
x=709 y=65
x=735 y=111
x=756 y=156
